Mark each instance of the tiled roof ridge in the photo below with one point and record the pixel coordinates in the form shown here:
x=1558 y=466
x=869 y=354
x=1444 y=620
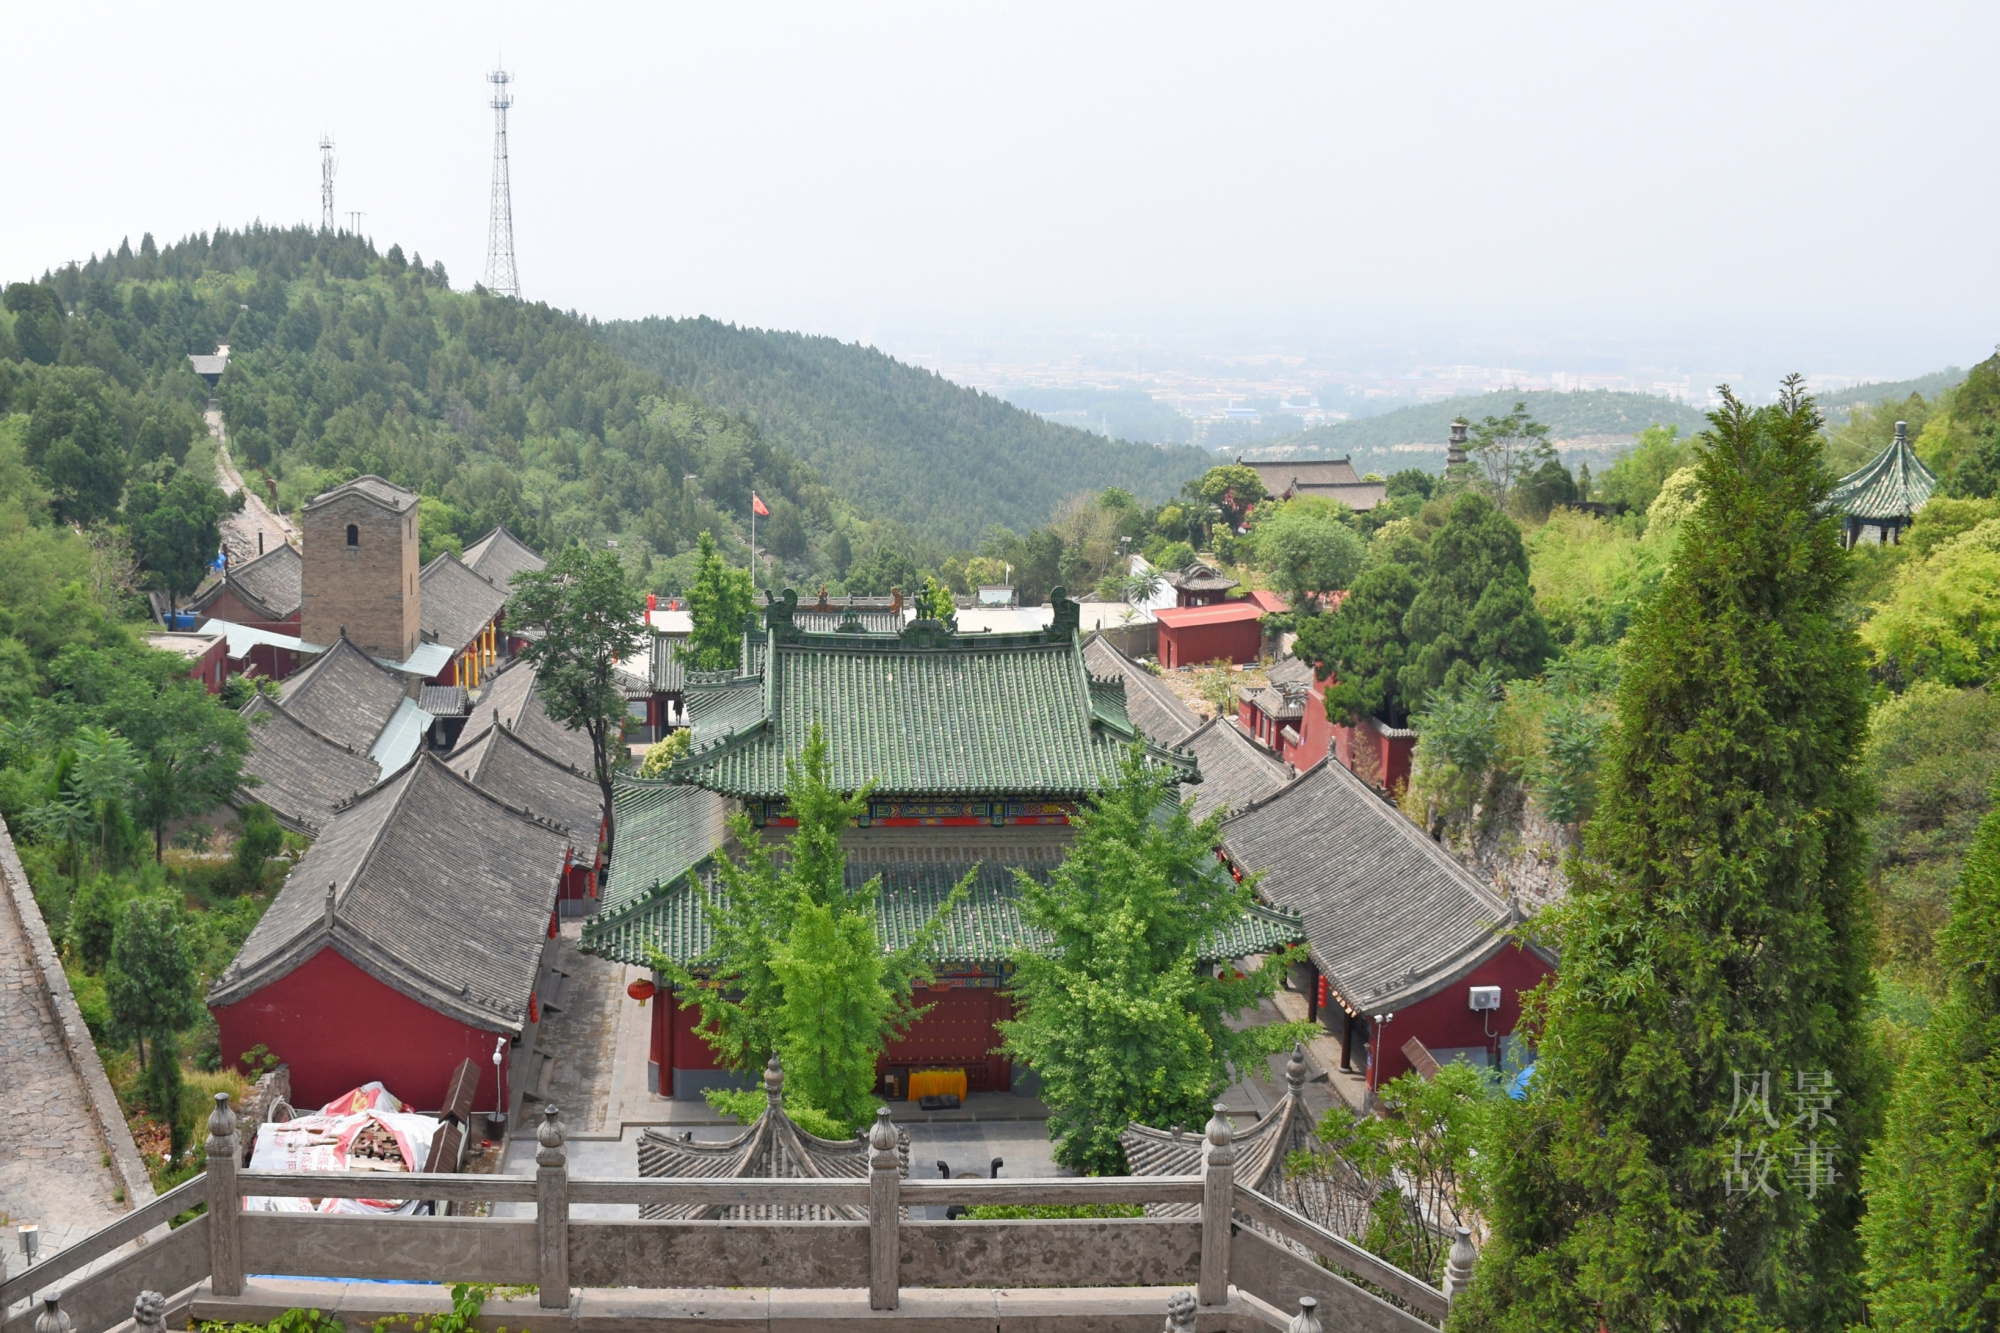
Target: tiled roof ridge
x=356 y=486
x=424 y=756
x=507 y=729
x=313 y=671
x=446 y=556
x=1389 y=817
x=264 y=701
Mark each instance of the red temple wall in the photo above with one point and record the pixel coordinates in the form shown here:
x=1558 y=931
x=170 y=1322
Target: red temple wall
x=1446 y=1020
x=338 y=1028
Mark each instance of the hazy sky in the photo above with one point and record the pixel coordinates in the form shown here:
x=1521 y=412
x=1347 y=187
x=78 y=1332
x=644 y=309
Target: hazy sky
x=1813 y=184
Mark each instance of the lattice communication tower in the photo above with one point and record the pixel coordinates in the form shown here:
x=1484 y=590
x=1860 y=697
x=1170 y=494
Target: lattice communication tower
x=501 y=275
x=326 y=165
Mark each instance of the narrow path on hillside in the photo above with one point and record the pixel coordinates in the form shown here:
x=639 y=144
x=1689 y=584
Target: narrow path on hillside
x=241 y=530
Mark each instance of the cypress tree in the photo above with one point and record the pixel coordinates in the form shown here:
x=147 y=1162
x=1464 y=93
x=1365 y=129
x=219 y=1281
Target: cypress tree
x=1933 y=1182
x=1713 y=948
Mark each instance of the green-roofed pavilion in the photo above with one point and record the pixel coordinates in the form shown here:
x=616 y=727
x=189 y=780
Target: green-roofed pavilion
x=1886 y=494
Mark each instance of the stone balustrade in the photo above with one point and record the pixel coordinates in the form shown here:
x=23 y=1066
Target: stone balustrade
x=1112 y=1273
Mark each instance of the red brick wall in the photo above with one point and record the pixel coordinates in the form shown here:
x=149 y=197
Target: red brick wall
x=1192 y=645
x=1446 y=1020
x=338 y=1027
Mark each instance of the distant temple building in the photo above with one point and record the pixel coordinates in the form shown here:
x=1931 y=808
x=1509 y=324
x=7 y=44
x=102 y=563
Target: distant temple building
x=981 y=749
x=1333 y=478
x=1886 y=494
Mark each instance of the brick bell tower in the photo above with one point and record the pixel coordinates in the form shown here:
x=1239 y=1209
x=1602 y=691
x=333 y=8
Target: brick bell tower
x=361 y=568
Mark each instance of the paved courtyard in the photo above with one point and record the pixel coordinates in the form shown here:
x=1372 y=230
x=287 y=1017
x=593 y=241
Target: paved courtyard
x=53 y=1169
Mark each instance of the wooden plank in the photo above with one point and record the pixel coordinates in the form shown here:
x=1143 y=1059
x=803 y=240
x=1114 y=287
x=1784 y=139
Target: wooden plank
x=102 y=1242
x=443 y=1159
x=1061 y=1191
x=1342 y=1252
x=1420 y=1059
x=386 y=1185
x=464 y=1085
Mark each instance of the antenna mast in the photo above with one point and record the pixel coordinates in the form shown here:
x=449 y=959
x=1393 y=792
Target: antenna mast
x=326 y=165
x=501 y=276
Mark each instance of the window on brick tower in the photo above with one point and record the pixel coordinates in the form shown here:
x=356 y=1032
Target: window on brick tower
x=353 y=535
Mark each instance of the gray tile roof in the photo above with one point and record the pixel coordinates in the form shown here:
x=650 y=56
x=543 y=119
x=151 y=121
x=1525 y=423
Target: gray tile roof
x=1290 y=671
x=1235 y=770
x=302 y=776
x=345 y=696
x=1198 y=577
x=1276 y=701
x=1390 y=916
x=456 y=603
x=427 y=884
x=773 y=1148
x=1360 y=496
x=502 y=764
x=1280 y=474
x=385 y=493
x=443 y=700
x=273 y=584
x=1261 y=1149
x=500 y=555
x=509 y=698
x=1154 y=709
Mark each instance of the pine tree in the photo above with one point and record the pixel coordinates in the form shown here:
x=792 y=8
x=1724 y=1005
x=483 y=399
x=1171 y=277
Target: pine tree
x=1933 y=1182
x=1716 y=930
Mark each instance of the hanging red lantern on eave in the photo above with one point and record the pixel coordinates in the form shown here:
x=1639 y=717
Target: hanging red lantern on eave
x=641 y=991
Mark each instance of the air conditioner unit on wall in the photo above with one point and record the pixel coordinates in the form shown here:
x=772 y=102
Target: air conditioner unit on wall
x=1485 y=997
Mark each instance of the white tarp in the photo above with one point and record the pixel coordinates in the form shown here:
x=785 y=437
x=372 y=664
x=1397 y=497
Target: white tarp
x=367 y=1129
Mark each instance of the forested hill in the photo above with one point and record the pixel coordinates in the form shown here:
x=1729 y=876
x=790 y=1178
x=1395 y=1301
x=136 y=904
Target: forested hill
x=946 y=460
x=346 y=360
x=1567 y=415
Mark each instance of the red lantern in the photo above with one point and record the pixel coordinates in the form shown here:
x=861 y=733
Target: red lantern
x=1322 y=992
x=641 y=991
x=534 y=1008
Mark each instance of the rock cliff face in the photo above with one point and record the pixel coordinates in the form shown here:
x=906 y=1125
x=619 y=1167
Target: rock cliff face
x=1515 y=848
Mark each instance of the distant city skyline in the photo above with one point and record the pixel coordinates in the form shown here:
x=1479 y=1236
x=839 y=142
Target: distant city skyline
x=1552 y=187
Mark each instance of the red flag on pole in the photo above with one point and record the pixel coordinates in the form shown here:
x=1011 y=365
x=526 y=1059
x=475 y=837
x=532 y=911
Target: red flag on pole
x=757 y=506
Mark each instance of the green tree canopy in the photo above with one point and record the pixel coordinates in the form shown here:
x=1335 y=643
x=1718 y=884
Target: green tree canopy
x=1116 y=1015
x=1714 y=947
x=1509 y=450
x=75 y=445
x=1232 y=488
x=591 y=617
x=150 y=980
x=1933 y=1181
x=1309 y=547
x=718 y=601
x=1634 y=481
x=1362 y=643
x=176 y=528
x=1475 y=609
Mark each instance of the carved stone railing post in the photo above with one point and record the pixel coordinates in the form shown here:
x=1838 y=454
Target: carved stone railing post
x=885 y=1178
x=1218 y=1194
x=149 y=1313
x=1458 y=1264
x=1307 y=1319
x=552 y=1211
x=225 y=1202
x=51 y=1319
x=1180 y=1313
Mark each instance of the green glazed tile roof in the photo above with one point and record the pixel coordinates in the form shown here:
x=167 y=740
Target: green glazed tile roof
x=662 y=829
x=924 y=713
x=1895 y=484
x=987 y=928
